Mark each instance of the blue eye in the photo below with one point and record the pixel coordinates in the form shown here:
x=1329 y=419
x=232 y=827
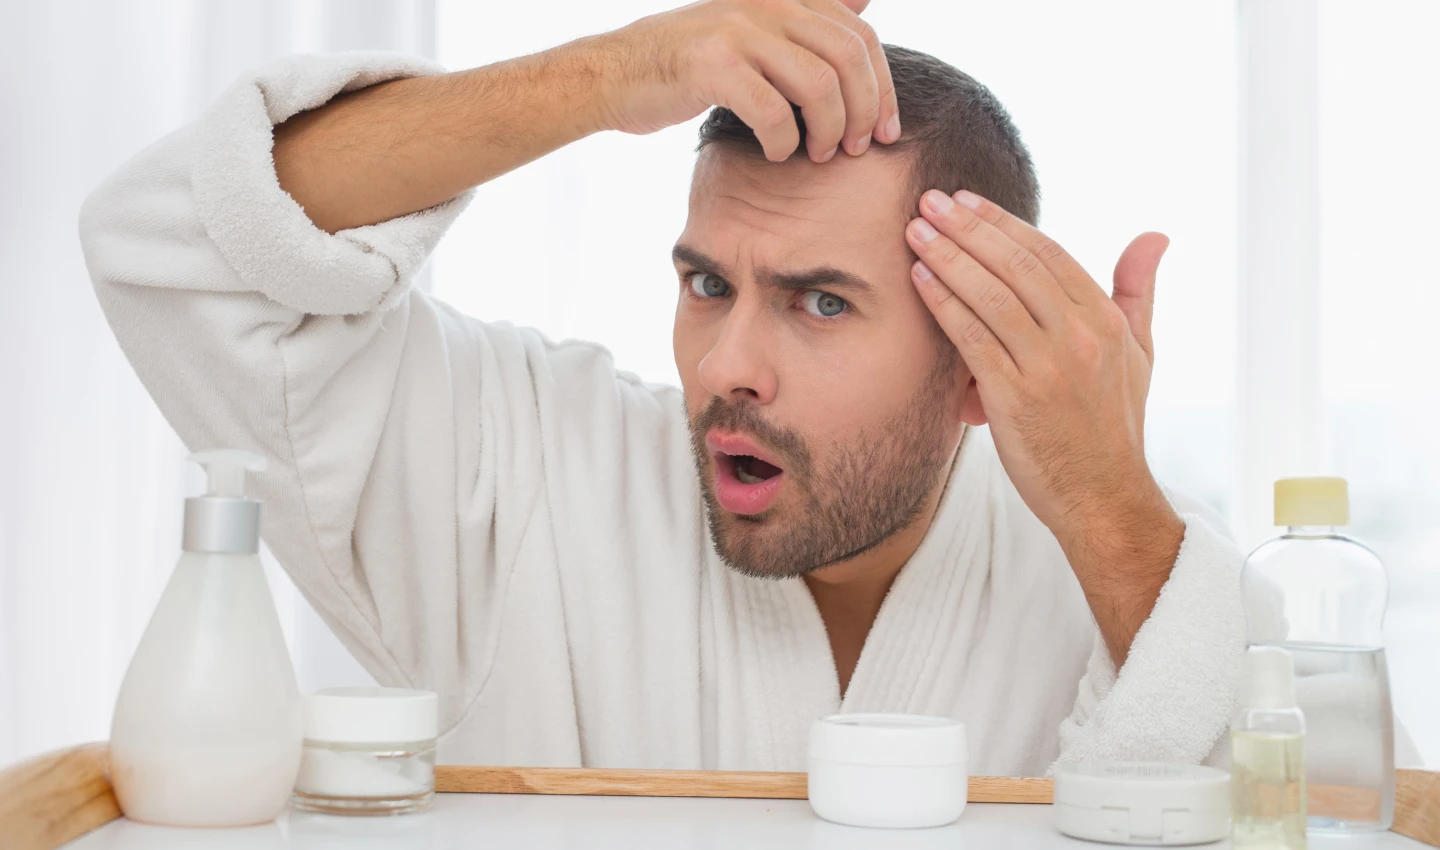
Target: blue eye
x=823 y=304
x=708 y=285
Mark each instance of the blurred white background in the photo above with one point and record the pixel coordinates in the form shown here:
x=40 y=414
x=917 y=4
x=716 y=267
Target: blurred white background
x=1134 y=114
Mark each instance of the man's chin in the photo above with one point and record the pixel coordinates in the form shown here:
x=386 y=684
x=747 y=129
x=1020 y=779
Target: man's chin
x=751 y=544
x=761 y=569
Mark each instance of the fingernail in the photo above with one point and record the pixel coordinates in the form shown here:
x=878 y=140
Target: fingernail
x=967 y=198
x=831 y=155
x=892 y=128
x=922 y=271
x=862 y=145
x=922 y=230
x=938 y=201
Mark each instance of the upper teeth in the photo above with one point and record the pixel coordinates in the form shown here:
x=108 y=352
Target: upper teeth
x=745 y=477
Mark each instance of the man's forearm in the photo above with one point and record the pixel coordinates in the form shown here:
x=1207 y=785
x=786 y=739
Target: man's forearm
x=1122 y=565
x=405 y=145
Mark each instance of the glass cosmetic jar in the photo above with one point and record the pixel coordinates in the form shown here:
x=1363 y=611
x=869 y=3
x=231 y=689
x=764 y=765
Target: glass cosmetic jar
x=368 y=751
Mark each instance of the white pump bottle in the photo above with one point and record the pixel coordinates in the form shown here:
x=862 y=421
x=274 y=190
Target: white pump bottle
x=207 y=728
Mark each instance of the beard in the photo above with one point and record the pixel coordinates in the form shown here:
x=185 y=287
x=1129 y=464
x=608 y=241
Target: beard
x=859 y=495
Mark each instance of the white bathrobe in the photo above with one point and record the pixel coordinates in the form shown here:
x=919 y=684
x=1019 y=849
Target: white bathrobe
x=516 y=525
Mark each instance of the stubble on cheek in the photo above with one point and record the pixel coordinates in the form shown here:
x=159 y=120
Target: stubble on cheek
x=750 y=543
x=855 y=498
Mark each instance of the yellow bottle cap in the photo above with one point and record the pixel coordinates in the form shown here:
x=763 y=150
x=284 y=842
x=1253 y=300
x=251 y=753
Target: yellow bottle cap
x=1312 y=501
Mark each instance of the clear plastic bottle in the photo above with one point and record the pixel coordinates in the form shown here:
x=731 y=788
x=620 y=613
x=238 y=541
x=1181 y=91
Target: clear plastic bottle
x=1321 y=596
x=1267 y=756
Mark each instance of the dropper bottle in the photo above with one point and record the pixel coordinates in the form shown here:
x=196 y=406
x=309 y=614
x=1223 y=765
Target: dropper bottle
x=207 y=727
x=1267 y=755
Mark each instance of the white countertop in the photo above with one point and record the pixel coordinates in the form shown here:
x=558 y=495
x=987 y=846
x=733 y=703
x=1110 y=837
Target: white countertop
x=512 y=822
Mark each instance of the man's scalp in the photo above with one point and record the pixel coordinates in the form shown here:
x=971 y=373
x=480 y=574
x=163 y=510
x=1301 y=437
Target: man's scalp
x=957 y=136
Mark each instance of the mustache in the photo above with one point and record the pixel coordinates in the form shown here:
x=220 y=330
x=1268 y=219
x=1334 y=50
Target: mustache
x=747 y=419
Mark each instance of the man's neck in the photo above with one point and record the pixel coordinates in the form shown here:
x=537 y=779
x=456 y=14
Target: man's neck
x=849 y=594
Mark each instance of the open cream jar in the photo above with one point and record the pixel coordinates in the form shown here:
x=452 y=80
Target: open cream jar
x=368 y=751
x=888 y=770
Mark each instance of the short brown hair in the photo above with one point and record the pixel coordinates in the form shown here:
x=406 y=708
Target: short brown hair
x=955 y=132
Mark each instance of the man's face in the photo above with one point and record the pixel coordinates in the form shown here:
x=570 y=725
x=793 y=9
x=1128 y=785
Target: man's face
x=824 y=404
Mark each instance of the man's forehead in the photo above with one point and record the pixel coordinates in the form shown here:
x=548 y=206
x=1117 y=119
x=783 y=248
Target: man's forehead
x=850 y=202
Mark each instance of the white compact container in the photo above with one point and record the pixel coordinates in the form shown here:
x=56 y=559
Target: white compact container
x=1144 y=803
x=368 y=751
x=888 y=770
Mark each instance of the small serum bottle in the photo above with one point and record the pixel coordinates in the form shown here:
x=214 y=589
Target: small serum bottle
x=1267 y=754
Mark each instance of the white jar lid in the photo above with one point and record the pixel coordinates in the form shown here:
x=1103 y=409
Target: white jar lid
x=1148 y=803
x=888 y=739
x=371 y=715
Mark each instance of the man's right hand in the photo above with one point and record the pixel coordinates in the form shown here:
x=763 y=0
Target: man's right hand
x=755 y=57
x=408 y=144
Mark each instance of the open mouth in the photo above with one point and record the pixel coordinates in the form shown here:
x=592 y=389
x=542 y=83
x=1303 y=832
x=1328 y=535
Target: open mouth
x=747 y=480
x=752 y=470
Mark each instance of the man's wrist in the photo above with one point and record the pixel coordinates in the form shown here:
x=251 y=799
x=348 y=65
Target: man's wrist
x=1125 y=538
x=1128 y=511
x=588 y=68
x=1123 y=559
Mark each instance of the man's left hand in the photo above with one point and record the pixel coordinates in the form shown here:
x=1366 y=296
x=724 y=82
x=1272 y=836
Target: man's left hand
x=1062 y=371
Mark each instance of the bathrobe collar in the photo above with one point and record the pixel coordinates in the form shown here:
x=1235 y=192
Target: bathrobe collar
x=793 y=668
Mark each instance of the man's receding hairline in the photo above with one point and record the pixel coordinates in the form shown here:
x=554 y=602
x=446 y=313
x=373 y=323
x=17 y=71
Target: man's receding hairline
x=957 y=134
x=905 y=153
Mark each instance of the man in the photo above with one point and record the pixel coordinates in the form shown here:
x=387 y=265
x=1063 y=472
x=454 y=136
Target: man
x=593 y=570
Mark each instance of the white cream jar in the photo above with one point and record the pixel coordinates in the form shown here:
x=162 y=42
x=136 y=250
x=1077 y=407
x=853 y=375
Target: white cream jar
x=888 y=770
x=368 y=751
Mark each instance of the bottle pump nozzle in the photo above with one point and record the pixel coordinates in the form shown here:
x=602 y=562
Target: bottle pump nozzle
x=1269 y=678
x=226 y=470
x=223 y=520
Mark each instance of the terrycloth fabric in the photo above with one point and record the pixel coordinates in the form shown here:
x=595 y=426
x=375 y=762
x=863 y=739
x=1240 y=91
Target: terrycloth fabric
x=518 y=526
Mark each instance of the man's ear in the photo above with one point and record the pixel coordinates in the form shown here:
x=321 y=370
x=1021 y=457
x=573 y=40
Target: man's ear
x=972 y=409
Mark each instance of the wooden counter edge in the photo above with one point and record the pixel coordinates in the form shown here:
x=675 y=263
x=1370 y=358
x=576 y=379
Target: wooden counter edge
x=1417 y=805
x=56 y=797
x=688 y=783
x=59 y=796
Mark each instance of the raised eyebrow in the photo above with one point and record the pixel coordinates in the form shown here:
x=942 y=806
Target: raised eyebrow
x=791 y=281
x=691 y=257
x=824 y=276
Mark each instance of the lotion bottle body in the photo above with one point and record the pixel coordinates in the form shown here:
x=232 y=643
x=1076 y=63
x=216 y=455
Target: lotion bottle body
x=207 y=727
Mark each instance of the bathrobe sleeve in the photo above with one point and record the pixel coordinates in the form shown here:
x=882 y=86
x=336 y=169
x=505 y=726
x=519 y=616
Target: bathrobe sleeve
x=1172 y=699
x=390 y=422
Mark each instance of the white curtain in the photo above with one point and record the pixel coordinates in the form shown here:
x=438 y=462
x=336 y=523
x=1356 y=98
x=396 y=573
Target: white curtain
x=91 y=477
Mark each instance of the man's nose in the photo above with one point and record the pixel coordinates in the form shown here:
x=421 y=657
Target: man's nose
x=738 y=366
